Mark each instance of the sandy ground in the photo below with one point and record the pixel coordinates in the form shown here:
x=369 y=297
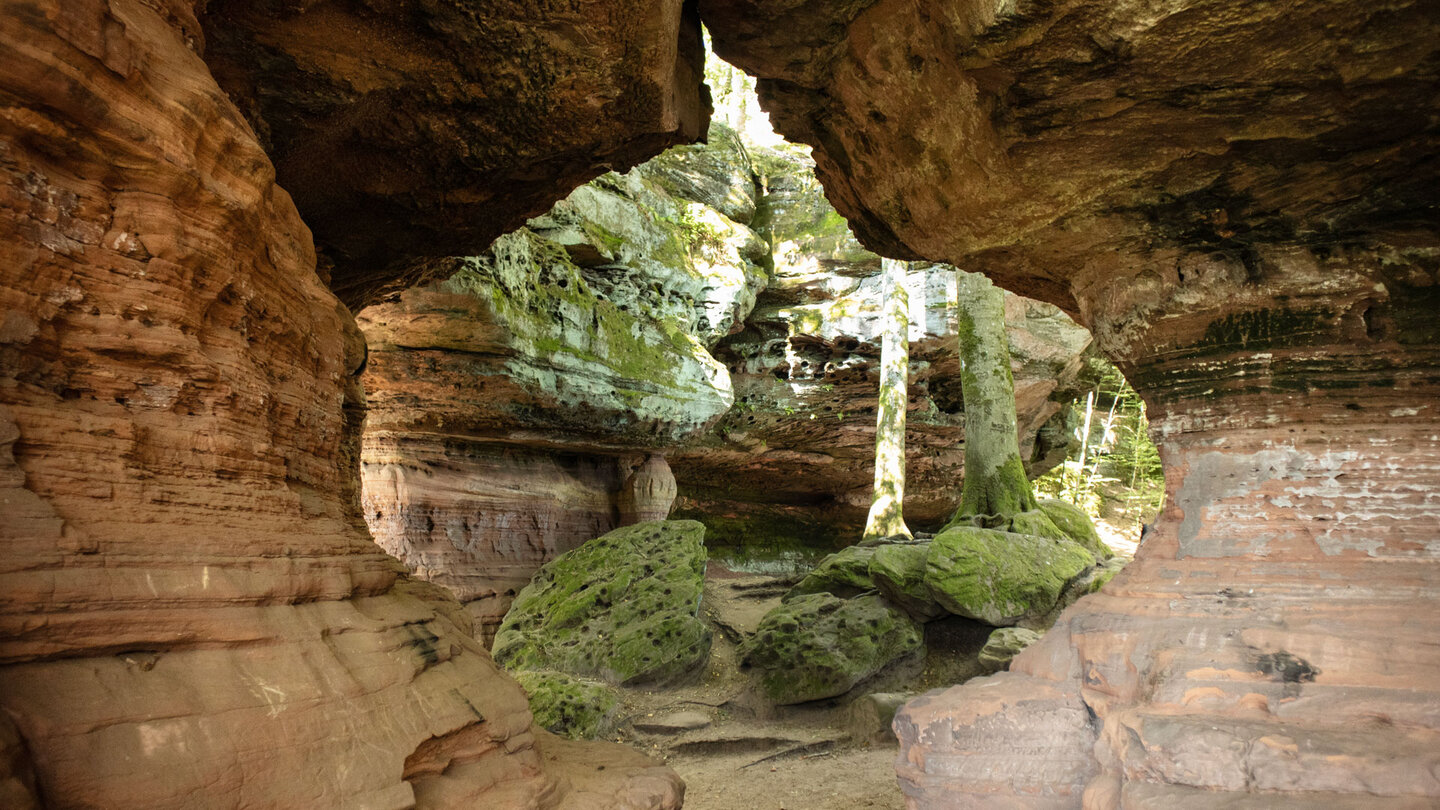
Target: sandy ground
x=839 y=780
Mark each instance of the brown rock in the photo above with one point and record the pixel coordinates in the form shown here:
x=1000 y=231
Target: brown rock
x=190 y=609
x=411 y=130
x=1238 y=200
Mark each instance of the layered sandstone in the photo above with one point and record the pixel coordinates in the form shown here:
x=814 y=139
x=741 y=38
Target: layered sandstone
x=523 y=405
x=412 y=129
x=191 y=610
x=1239 y=200
x=793 y=460
x=578 y=375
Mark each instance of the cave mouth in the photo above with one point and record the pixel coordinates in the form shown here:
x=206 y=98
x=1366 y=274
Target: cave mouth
x=698 y=341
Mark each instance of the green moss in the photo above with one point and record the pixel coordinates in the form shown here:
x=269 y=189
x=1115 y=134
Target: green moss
x=622 y=608
x=572 y=707
x=1003 y=645
x=1072 y=521
x=818 y=646
x=898 y=571
x=845 y=573
x=999 y=577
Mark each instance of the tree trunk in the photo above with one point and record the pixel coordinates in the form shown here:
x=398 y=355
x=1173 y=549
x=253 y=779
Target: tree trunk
x=886 y=510
x=995 y=488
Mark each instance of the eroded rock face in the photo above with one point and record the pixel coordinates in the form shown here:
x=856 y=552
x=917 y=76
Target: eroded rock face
x=523 y=405
x=411 y=130
x=793 y=459
x=1239 y=201
x=190 y=608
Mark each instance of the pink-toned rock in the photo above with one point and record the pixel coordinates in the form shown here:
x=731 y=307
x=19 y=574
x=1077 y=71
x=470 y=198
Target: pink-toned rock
x=191 y=612
x=1254 y=244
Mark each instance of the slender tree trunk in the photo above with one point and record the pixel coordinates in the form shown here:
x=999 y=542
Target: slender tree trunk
x=995 y=488
x=886 y=510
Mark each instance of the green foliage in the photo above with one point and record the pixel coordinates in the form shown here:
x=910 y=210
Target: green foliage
x=1121 y=470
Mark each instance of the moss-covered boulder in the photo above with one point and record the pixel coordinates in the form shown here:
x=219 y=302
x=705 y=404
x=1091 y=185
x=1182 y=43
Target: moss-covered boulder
x=845 y=573
x=1003 y=645
x=622 y=608
x=819 y=645
x=577 y=708
x=1076 y=525
x=1001 y=577
x=898 y=571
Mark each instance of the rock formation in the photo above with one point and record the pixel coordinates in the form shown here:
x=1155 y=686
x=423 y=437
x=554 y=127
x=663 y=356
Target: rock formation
x=538 y=395
x=521 y=406
x=191 y=611
x=1240 y=201
x=793 y=460
x=410 y=129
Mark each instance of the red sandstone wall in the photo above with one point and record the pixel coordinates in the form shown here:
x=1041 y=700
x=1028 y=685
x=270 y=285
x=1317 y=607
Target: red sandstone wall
x=191 y=612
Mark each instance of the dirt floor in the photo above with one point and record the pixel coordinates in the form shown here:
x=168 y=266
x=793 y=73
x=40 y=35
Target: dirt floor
x=737 y=752
x=838 y=780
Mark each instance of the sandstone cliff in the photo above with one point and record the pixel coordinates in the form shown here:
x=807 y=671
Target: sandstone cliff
x=191 y=611
x=1240 y=201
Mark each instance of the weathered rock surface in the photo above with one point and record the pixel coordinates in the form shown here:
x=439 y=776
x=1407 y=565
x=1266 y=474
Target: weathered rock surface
x=1003 y=645
x=793 y=459
x=819 y=645
x=518 y=407
x=1000 y=577
x=191 y=612
x=1240 y=201
x=577 y=708
x=416 y=130
x=623 y=608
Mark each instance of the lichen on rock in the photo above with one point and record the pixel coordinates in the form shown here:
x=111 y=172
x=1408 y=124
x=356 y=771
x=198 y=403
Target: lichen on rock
x=819 y=645
x=622 y=608
x=578 y=708
x=1072 y=521
x=1004 y=644
x=1001 y=577
x=845 y=573
x=898 y=571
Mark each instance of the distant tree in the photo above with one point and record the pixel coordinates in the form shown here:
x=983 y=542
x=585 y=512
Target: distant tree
x=886 y=510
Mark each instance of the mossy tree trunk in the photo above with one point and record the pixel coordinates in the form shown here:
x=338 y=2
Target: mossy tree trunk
x=995 y=489
x=886 y=510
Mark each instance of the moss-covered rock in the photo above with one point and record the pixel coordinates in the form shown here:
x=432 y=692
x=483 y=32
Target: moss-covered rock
x=1003 y=645
x=1000 y=577
x=573 y=707
x=622 y=608
x=845 y=573
x=898 y=571
x=1072 y=521
x=819 y=645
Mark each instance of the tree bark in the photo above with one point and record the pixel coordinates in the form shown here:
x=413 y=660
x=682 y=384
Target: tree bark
x=886 y=517
x=995 y=487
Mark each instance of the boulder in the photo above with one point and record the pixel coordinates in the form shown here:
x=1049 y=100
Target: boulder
x=869 y=718
x=622 y=608
x=1001 y=577
x=1072 y=521
x=845 y=573
x=819 y=645
x=1004 y=644
x=898 y=571
x=578 y=708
